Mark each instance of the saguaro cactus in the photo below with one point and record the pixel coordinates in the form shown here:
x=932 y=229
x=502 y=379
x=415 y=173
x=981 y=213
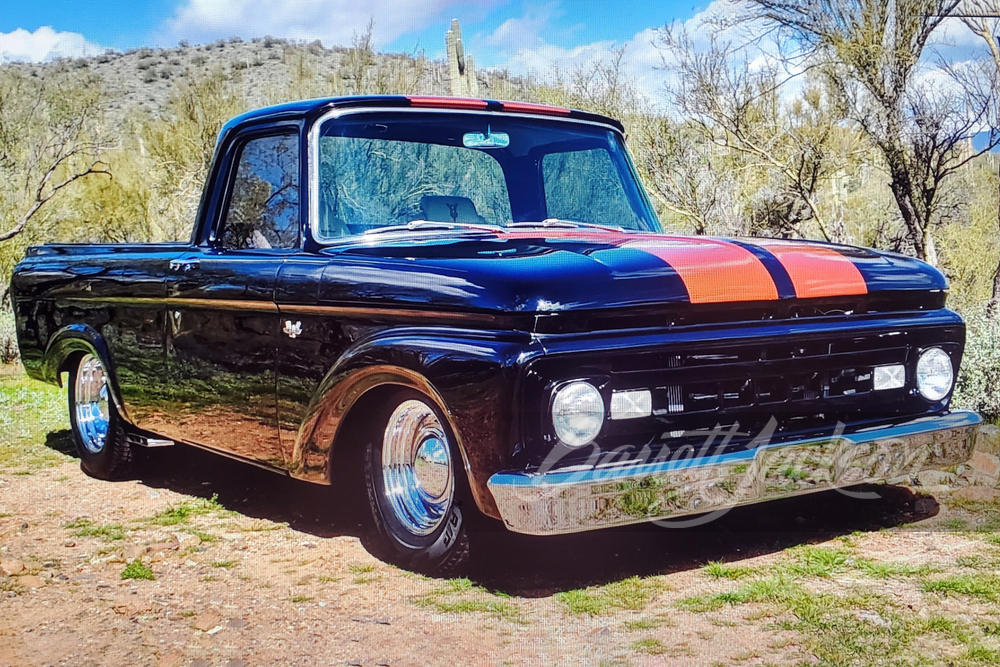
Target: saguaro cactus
x=461 y=68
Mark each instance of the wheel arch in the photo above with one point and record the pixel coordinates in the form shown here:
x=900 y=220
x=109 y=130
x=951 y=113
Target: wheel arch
x=460 y=371
x=336 y=417
x=70 y=343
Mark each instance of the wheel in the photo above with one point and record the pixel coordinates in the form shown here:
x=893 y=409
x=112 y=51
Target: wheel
x=97 y=429
x=415 y=489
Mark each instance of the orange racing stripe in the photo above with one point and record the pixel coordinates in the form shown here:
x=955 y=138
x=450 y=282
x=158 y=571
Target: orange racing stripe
x=713 y=271
x=815 y=270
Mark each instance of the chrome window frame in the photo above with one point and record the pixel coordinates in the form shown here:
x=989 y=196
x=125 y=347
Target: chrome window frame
x=333 y=114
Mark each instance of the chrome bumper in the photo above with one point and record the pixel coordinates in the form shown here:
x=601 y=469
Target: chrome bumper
x=584 y=498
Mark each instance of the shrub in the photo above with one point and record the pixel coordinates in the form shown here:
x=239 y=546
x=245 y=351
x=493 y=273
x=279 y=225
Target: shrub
x=978 y=385
x=138 y=570
x=8 y=338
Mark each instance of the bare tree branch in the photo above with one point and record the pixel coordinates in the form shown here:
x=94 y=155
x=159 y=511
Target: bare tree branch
x=42 y=199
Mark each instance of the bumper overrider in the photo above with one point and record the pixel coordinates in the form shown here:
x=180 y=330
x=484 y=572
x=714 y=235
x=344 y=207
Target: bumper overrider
x=568 y=500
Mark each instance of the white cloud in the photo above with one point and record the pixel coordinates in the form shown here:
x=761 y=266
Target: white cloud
x=517 y=33
x=44 y=44
x=335 y=22
x=953 y=32
x=519 y=45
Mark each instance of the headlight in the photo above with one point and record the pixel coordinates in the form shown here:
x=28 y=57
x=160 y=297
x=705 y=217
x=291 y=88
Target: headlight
x=578 y=413
x=935 y=374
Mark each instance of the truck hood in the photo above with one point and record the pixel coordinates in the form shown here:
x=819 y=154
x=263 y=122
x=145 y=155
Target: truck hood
x=557 y=270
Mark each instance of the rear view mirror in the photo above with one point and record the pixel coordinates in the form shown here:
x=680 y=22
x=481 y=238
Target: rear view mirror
x=488 y=140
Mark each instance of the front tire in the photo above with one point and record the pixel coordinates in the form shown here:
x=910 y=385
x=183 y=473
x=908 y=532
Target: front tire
x=415 y=489
x=98 y=431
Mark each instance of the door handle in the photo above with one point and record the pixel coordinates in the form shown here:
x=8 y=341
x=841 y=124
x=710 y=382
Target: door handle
x=184 y=265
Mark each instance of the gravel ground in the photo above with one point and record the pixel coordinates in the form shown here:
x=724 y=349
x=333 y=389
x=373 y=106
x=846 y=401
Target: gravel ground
x=238 y=566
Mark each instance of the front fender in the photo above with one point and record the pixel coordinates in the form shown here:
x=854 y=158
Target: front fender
x=472 y=375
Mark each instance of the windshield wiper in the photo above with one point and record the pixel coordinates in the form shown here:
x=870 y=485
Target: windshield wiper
x=429 y=225
x=565 y=224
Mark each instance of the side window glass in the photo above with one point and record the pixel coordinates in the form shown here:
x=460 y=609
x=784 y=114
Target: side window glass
x=263 y=211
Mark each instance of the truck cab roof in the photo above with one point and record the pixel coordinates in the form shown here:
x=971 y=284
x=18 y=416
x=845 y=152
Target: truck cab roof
x=311 y=109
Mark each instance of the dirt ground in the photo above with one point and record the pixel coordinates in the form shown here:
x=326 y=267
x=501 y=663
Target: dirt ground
x=238 y=566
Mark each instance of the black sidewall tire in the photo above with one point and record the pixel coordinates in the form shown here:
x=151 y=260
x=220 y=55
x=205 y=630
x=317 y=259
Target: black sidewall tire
x=114 y=462
x=444 y=551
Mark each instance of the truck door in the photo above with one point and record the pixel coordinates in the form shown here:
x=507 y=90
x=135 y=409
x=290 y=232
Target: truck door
x=222 y=322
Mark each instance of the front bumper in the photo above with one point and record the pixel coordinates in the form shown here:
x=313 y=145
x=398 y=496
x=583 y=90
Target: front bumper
x=583 y=498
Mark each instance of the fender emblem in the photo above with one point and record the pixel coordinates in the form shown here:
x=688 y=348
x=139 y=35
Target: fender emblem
x=292 y=329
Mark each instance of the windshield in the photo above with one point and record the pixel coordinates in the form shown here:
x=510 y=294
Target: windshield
x=416 y=172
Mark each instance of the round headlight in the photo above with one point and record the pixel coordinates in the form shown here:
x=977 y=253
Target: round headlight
x=578 y=413
x=935 y=374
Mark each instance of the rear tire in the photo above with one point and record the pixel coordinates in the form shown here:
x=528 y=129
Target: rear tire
x=98 y=431
x=415 y=488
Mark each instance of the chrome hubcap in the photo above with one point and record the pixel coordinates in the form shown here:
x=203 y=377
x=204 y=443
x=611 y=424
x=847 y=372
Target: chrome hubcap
x=416 y=468
x=90 y=397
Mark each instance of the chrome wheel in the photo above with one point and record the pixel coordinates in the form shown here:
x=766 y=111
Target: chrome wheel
x=90 y=404
x=416 y=468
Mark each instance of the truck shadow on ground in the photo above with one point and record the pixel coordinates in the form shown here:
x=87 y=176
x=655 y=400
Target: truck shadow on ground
x=532 y=566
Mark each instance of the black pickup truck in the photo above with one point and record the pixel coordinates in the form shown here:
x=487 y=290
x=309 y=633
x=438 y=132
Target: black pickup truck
x=468 y=308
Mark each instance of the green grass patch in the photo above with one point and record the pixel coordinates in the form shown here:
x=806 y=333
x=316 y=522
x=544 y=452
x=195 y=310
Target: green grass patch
x=719 y=570
x=183 y=512
x=32 y=414
x=889 y=570
x=261 y=526
x=362 y=569
x=206 y=538
x=975 y=561
x=779 y=589
x=302 y=598
x=861 y=628
x=138 y=570
x=982 y=586
x=364 y=573
x=648 y=623
x=225 y=564
x=109 y=532
x=649 y=645
x=461 y=596
x=632 y=594
x=855 y=625
x=982 y=654
x=497 y=608
x=11 y=586
x=953 y=629
x=816 y=561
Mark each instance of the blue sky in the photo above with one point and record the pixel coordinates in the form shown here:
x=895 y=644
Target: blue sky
x=525 y=36
x=495 y=30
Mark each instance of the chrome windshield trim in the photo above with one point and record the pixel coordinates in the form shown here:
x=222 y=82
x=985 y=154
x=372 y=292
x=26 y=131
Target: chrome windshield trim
x=589 y=497
x=314 y=137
